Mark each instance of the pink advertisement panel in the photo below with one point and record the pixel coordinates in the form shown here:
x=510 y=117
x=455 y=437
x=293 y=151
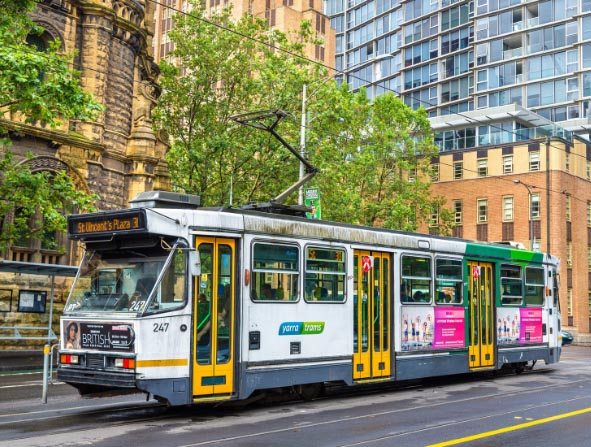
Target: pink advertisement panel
x=530 y=328
x=449 y=328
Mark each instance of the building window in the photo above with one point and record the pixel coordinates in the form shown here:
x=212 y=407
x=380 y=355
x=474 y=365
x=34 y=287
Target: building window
x=588 y=257
x=588 y=213
x=568 y=208
x=482 y=167
x=434 y=218
x=458 y=170
x=457 y=207
x=534 y=161
x=569 y=302
x=434 y=172
x=507 y=208
x=482 y=210
x=588 y=170
x=534 y=206
x=569 y=253
x=508 y=164
x=412 y=174
x=567 y=162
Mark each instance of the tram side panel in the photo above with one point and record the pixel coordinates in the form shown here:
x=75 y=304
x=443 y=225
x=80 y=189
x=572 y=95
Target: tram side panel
x=292 y=336
x=163 y=353
x=527 y=323
x=430 y=316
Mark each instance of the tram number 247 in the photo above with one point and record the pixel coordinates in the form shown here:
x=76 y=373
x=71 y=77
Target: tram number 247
x=160 y=327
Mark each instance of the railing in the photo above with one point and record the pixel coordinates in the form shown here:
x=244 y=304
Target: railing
x=26 y=333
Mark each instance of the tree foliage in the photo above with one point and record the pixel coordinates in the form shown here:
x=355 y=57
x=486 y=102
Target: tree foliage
x=227 y=71
x=379 y=156
x=35 y=203
x=365 y=150
x=37 y=85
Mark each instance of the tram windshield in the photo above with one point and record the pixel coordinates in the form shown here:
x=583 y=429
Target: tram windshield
x=124 y=281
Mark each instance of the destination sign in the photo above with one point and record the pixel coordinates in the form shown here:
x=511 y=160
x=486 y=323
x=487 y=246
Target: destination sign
x=86 y=224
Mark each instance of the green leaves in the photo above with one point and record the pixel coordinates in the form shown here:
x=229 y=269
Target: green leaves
x=365 y=151
x=37 y=85
x=375 y=160
x=37 y=201
x=229 y=72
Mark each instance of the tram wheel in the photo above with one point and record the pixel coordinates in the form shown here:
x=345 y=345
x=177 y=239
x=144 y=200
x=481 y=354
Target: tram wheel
x=309 y=391
x=520 y=367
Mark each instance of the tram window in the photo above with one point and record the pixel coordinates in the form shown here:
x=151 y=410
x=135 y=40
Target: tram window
x=275 y=272
x=126 y=282
x=511 y=284
x=534 y=286
x=448 y=281
x=325 y=275
x=415 y=285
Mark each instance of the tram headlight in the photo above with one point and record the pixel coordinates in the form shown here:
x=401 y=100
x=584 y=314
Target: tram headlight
x=69 y=359
x=124 y=363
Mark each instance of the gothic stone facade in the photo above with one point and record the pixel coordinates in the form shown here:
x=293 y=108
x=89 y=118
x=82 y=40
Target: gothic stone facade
x=117 y=156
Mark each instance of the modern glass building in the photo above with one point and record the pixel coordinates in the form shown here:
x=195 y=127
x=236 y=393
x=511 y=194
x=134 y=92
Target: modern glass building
x=487 y=71
x=507 y=86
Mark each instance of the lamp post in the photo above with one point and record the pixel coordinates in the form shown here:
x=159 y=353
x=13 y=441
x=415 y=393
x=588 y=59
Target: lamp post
x=531 y=222
x=304 y=120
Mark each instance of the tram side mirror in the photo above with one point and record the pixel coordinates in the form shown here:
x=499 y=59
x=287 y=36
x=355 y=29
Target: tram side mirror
x=194 y=263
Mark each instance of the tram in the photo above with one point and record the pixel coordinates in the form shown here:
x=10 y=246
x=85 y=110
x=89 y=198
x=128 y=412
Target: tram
x=191 y=304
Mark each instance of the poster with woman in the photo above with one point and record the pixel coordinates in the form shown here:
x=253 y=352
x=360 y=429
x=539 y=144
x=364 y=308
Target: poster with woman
x=72 y=335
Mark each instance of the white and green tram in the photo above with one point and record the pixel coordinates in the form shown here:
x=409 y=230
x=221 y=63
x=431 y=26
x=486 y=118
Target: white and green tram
x=191 y=304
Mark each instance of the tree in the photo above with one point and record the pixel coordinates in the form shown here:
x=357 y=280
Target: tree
x=379 y=156
x=33 y=204
x=228 y=71
x=36 y=86
x=225 y=70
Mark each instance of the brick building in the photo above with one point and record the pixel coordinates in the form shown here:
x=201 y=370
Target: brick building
x=537 y=193
x=117 y=156
x=284 y=15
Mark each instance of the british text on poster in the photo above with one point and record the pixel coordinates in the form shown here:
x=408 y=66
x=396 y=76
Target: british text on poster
x=106 y=337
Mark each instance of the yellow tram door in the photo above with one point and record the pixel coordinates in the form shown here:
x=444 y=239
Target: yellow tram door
x=371 y=325
x=481 y=315
x=213 y=337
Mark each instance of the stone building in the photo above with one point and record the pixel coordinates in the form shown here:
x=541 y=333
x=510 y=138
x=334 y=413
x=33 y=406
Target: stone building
x=115 y=157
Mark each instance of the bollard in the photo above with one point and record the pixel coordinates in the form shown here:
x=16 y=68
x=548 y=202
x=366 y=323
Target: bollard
x=46 y=350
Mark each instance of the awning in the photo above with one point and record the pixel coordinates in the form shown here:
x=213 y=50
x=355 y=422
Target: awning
x=37 y=268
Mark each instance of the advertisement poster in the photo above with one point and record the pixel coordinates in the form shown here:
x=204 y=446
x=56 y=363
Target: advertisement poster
x=449 y=328
x=98 y=336
x=508 y=325
x=530 y=328
x=427 y=328
x=312 y=199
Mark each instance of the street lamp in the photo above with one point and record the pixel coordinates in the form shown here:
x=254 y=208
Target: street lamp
x=531 y=222
x=304 y=120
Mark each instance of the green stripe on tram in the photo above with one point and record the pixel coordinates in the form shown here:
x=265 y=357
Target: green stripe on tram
x=509 y=253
